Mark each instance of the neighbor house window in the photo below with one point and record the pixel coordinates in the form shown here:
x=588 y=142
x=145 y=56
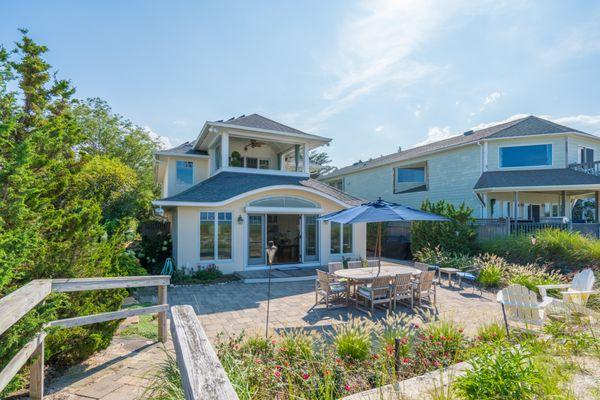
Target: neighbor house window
x=184 y=173
x=338 y=184
x=526 y=156
x=264 y=164
x=586 y=155
x=341 y=238
x=215 y=235
x=412 y=179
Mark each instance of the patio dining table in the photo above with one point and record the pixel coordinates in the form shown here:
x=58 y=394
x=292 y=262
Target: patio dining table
x=364 y=275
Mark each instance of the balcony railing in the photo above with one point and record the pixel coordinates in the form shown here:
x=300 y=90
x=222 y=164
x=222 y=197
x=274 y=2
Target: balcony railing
x=592 y=168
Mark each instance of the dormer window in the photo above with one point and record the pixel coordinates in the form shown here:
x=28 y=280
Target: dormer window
x=185 y=173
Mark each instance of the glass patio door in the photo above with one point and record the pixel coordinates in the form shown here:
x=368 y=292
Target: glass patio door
x=256 y=240
x=311 y=238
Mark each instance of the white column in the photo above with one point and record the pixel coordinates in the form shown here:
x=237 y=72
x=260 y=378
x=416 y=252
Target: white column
x=224 y=150
x=306 y=159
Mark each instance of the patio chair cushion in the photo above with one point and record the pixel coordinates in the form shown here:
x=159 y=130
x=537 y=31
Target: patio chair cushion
x=337 y=287
x=366 y=292
x=466 y=275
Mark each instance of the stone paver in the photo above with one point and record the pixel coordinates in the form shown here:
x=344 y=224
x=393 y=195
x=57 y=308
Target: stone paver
x=128 y=365
x=235 y=306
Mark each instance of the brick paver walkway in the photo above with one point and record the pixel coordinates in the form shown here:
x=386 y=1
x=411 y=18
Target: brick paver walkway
x=126 y=367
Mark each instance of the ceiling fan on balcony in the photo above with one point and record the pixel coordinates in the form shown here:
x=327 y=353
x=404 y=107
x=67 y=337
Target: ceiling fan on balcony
x=253 y=143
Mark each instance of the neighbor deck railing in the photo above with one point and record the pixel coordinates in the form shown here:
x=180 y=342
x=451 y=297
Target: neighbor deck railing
x=18 y=303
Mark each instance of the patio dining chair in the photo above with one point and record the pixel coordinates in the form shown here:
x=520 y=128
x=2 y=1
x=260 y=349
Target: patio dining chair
x=578 y=291
x=372 y=263
x=354 y=264
x=329 y=289
x=379 y=292
x=424 y=286
x=403 y=289
x=426 y=268
x=335 y=266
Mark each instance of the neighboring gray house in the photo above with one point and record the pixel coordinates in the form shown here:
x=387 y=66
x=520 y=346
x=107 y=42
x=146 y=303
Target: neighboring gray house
x=530 y=168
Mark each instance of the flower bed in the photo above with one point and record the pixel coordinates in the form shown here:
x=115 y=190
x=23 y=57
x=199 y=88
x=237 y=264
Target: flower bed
x=351 y=358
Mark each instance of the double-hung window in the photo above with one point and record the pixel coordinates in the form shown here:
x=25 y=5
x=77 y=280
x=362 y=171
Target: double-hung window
x=536 y=155
x=215 y=235
x=184 y=173
x=341 y=238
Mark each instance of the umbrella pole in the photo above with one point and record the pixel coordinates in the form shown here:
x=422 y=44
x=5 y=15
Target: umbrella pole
x=379 y=247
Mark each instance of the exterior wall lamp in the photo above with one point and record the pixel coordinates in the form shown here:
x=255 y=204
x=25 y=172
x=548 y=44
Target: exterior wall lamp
x=240 y=219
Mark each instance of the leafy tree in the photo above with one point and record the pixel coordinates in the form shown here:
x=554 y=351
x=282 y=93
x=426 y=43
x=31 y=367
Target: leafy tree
x=319 y=164
x=455 y=236
x=65 y=210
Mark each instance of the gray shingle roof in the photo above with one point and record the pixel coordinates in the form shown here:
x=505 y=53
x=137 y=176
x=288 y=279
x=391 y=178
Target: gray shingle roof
x=528 y=126
x=260 y=122
x=186 y=148
x=537 y=177
x=225 y=185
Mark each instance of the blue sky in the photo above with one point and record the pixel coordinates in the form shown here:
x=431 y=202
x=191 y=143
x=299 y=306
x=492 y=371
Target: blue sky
x=371 y=75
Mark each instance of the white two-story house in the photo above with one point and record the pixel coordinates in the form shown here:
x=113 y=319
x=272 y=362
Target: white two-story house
x=244 y=182
x=528 y=169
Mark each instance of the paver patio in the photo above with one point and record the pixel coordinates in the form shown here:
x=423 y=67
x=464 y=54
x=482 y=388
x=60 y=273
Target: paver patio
x=126 y=367
x=235 y=306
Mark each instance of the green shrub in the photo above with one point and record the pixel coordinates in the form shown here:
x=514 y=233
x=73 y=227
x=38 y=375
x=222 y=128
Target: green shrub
x=491 y=333
x=436 y=256
x=353 y=339
x=500 y=373
x=456 y=236
x=559 y=248
x=531 y=276
x=491 y=270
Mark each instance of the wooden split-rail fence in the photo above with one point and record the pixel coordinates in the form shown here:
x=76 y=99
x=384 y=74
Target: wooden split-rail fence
x=202 y=374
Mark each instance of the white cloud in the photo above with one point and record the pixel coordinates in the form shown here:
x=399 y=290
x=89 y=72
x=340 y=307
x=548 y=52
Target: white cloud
x=488 y=124
x=379 y=128
x=417 y=111
x=492 y=98
x=376 y=47
x=578 y=41
x=585 y=123
x=164 y=142
x=435 y=134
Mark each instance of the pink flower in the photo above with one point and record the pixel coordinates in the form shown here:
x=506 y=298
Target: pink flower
x=347 y=388
x=405 y=360
x=277 y=374
x=305 y=376
x=376 y=356
x=258 y=361
x=404 y=340
x=436 y=363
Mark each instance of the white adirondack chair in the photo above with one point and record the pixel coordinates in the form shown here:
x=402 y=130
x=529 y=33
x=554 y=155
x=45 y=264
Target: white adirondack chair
x=578 y=291
x=521 y=305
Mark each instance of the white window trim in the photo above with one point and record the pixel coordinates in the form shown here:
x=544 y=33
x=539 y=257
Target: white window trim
x=215 y=258
x=545 y=166
x=416 y=184
x=341 y=253
x=185 y=185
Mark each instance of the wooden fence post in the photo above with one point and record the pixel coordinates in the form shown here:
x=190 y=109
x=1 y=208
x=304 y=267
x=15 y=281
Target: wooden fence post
x=162 y=316
x=36 y=374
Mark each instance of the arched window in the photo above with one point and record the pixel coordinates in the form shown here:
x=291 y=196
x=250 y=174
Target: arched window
x=283 y=202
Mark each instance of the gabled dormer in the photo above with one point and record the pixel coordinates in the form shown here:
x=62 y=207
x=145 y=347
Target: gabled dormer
x=249 y=144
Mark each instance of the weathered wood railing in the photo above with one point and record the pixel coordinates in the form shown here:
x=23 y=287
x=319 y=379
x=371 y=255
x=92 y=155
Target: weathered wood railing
x=18 y=303
x=202 y=374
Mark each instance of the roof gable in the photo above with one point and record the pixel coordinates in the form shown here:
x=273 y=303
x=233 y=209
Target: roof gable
x=527 y=126
x=259 y=122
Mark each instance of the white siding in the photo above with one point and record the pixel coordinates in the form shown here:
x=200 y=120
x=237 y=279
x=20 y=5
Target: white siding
x=576 y=142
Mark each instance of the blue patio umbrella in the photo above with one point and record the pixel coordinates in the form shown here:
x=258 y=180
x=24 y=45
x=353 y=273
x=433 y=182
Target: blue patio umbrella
x=380 y=211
